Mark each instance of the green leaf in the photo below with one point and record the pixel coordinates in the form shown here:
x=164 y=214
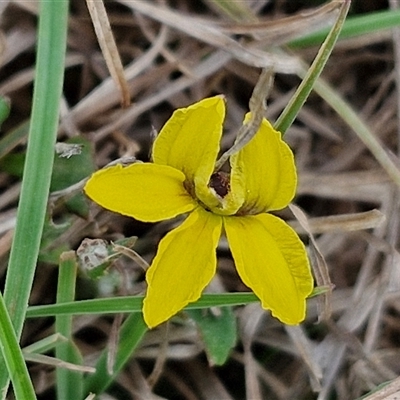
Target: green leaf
x=13 y=164
x=66 y=171
x=218 y=330
x=70 y=170
x=50 y=248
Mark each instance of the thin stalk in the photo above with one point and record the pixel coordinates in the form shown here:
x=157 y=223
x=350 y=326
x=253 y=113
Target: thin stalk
x=290 y=112
x=257 y=108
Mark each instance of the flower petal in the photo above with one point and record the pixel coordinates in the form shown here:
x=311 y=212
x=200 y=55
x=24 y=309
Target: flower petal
x=272 y=261
x=147 y=192
x=185 y=263
x=189 y=141
x=266 y=169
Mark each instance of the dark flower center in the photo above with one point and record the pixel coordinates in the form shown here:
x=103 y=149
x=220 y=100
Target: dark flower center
x=220 y=183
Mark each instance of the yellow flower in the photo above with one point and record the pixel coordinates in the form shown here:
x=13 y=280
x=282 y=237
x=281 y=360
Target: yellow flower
x=268 y=254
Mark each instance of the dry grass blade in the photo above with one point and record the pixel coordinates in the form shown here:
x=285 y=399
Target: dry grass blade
x=104 y=96
x=113 y=342
x=25 y=77
x=344 y=222
x=161 y=358
x=257 y=108
x=282 y=30
x=390 y=391
x=370 y=185
x=304 y=347
x=43 y=359
x=360 y=127
x=175 y=53
x=31 y=6
x=132 y=254
x=108 y=47
x=250 y=319
x=394 y=5
x=206 y=32
x=16 y=42
x=210 y=65
x=319 y=265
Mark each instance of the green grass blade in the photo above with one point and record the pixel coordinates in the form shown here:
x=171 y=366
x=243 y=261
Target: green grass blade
x=44 y=345
x=296 y=102
x=69 y=383
x=13 y=358
x=128 y=304
x=39 y=160
x=354 y=26
x=134 y=304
